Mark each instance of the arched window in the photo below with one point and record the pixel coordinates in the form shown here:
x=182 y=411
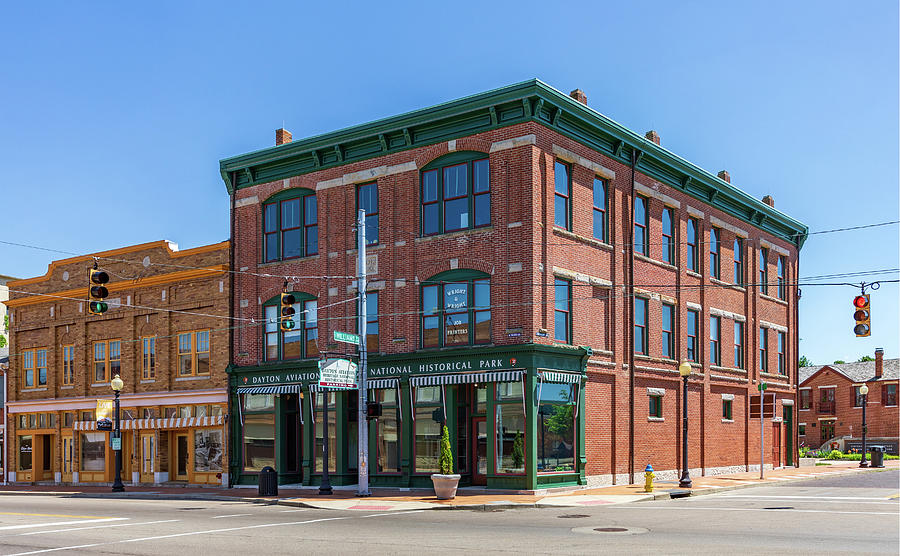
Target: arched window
x=290 y=225
x=456 y=309
x=456 y=193
x=299 y=343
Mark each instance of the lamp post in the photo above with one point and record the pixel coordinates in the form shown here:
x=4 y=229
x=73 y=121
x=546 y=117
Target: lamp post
x=116 y=384
x=685 y=371
x=864 y=390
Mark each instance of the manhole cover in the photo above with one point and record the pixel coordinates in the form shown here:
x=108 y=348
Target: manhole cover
x=610 y=529
x=191 y=508
x=779 y=508
x=573 y=516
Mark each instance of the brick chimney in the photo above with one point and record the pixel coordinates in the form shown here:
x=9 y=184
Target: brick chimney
x=579 y=95
x=769 y=200
x=724 y=175
x=282 y=136
x=653 y=136
x=879 y=362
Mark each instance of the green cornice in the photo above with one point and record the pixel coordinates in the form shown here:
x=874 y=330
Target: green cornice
x=529 y=101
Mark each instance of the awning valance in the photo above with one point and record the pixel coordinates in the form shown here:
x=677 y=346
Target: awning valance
x=381 y=383
x=278 y=389
x=556 y=376
x=466 y=378
x=144 y=424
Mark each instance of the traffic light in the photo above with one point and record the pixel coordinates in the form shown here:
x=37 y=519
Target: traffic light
x=373 y=410
x=861 y=315
x=286 y=318
x=97 y=292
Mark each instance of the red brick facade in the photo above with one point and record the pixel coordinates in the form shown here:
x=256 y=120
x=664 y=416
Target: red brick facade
x=174 y=298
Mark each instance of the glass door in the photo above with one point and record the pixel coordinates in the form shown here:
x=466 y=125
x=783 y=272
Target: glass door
x=147 y=452
x=181 y=457
x=479 y=451
x=68 y=454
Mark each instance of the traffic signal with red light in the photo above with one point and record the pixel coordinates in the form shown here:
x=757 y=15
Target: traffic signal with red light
x=861 y=316
x=373 y=410
x=97 y=291
x=286 y=312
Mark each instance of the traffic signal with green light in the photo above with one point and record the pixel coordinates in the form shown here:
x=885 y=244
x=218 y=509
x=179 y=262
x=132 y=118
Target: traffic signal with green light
x=861 y=316
x=97 y=292
x=286 y=318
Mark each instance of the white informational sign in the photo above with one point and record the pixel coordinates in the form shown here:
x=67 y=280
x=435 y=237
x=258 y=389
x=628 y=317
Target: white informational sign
x=338 y=373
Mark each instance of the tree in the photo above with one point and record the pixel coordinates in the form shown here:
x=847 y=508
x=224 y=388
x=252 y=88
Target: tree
x=518 y=451
x=865 y=358
x=805 y=362
x=446 y=460
x=839 y=362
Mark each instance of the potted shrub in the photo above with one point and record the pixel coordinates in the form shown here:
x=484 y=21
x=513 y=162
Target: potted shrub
x=445 y=482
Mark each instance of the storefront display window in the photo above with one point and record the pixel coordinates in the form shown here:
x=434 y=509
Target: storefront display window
x=387 y=431
x=556 y=428
x=332 y=440
x=510 y=438
x=208 y=450
x=24 y=453
x=259 y=441
x=93 y=451
x=428 y=420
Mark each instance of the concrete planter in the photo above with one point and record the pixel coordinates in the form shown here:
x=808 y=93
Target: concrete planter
x=808 y=462
x=445 y=486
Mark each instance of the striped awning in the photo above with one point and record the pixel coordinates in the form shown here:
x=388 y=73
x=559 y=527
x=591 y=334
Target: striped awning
x=144 y=424
x=278 y=389
x=556 y=376
x=466 y=378
x=381 y=383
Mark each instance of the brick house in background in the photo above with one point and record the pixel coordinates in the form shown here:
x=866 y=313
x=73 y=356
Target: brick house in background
x=506 y=231
x=830 y=404
x=160 y=334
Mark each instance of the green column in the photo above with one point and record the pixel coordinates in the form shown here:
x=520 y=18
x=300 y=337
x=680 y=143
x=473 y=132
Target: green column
x=580 y=434
x=531 y=436
x=789 y=433
x=307 y=439
x=407 y=432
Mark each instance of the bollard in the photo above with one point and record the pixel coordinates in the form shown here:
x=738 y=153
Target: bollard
x=648 y=478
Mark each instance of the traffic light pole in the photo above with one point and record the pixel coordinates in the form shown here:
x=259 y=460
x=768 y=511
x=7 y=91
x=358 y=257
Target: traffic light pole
x=362 y=421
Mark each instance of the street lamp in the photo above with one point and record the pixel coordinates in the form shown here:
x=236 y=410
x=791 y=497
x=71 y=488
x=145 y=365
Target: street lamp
x=116 y=384
x=864 y=390
x=685 y=371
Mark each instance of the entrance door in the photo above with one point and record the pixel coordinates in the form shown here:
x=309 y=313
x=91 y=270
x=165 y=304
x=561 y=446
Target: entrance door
x=776 y=445
x=147 y=451
x=68 y=456
x=788 y=435
x=181 y=457
x=827 y=428
x=46 y=466
x=479 y=451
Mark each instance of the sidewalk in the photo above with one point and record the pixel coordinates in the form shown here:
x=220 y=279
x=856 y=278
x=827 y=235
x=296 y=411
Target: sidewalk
x=466 y=499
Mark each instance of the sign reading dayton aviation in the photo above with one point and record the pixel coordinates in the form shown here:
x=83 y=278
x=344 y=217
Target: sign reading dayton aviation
x=104 y=415
x=338 y=373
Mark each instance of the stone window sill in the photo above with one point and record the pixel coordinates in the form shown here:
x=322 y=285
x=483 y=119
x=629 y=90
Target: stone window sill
x=148 y=381
x=728 y=420
x=66 y=387
x=654 y=261
x=184 y=378
x=694 y=274
x=656 y=419
x=583 y=239
x=727 y=284
x=26 y=390
x=774 y=299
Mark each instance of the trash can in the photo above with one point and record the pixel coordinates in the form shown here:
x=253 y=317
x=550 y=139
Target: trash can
x=877 y=456
x=268 y=482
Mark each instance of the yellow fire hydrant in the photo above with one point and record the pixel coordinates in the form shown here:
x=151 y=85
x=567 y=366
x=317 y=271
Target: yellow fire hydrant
x=648 y=478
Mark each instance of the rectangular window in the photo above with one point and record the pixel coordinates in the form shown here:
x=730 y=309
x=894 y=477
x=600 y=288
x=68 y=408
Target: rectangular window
x=510 y=438
x=456 y=314
x=693 y=324
x=801 y=429
x=270 y=231
x=562 y=188
x=715 y=331
x=68 y=359
x=367 y=200
x=763 y=349
x=562 y=310
x=714 y=269
x=640 y=325
x=207 y=450
x=311 y=327
x=726 y=410
x=600 y=222
x=668 y=236
x=387 y=433
x=805 y=399
x=28 y=368
x=193 y=353
x=692 y=251
x=858 y=399
x=481 y=189
x=668 y=331
x=739 y=261
x=259 y=439
x=456 y=197
x=556 y=429
x=889 y=394
x=655 y=410
x=372 y=321
x=100 y=360
x=763 y=271
x=641 y=225
x=779 y=274
x=311 y=225
x=40 y=359
x=148 y=357
x=291 y=229
x=429 y=417
x=93 y=451
x=738 y=345
x=782 y=360
x=115 y=358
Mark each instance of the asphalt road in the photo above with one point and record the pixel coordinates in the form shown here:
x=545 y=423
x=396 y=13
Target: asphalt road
x=856 y=514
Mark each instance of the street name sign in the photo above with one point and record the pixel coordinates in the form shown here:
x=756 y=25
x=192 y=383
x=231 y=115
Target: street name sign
x=338 y=374
x=346 y=337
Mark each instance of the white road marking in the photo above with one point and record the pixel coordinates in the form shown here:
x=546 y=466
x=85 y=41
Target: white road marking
x=96 y=527
x=297 y=510
x=638 y=507
x=207 y=532
x=230 y=515
x=55 y=523
x=803 y=497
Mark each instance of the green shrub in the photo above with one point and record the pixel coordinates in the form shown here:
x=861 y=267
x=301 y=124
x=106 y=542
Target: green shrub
x=446 y=460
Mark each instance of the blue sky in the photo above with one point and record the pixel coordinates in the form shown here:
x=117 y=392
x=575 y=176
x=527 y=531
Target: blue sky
x=119 y=114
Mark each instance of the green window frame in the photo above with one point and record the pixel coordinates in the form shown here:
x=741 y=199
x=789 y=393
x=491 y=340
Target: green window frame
x=715 y=268
x=509 y=424
x=726 y=410
x=763 y=270
x=655 y=407
x=601 y=222
x=693 y=258
x=455 y=193
x=290 y=225
x=367 y=199
x=780 y=278
x=641 y=215
x=562 y=310
x=739 y=261
x=456 y=309
x=305 y=333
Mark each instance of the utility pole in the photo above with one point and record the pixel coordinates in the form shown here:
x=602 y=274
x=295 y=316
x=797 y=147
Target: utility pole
x=362 y=421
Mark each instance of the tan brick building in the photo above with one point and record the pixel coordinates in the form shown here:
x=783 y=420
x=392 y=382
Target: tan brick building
x=165 y=334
